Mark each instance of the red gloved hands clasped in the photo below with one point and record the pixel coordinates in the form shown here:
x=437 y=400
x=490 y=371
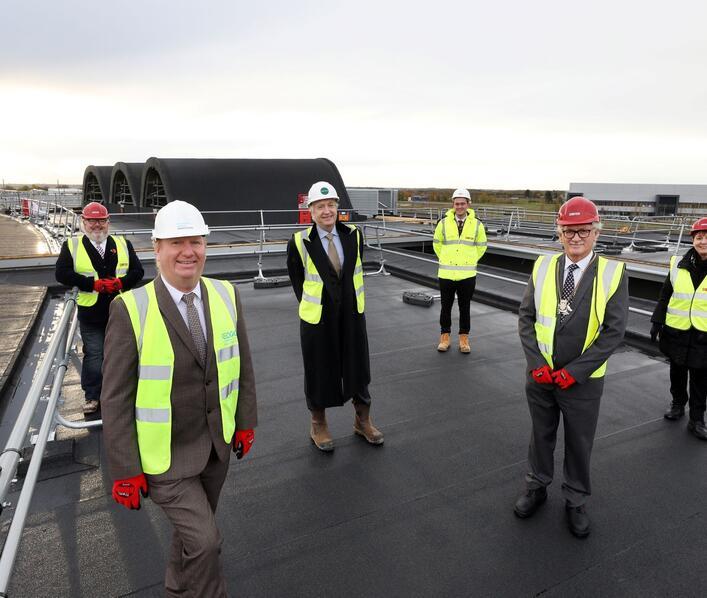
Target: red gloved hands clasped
x=125 y=492
x=115 y=285
x=242 y=442
x=107 y=285
x=542 y=375
x=563 y=379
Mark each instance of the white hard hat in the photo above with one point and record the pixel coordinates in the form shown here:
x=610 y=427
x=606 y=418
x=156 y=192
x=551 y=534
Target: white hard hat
x=321 y=190
x=179 y=219
x=462 y=193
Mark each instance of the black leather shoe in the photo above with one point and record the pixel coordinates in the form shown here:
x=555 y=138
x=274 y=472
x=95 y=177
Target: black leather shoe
x=577 y=521
x=674 y=412
x=697 y=429
x=529 y=502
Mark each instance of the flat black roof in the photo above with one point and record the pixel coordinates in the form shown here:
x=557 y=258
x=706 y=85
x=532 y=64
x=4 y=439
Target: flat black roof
x=430 y=512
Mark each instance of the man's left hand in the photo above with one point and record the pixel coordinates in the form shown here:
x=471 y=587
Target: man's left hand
x=114 y=285
x=563 y=379
x=242 y=442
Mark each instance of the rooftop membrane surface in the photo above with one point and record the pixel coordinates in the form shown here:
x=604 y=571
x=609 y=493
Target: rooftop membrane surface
x=429 y=513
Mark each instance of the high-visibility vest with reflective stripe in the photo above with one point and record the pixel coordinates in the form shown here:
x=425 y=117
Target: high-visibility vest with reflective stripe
x=84 y=267
x=153 y=407
x=310 y=306
x=458 y=255
x=687 y=306
x=606 y=281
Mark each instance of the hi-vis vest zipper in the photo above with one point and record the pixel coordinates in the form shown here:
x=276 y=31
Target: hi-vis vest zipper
x=687 y=306
x=153 y=407
x=606 y=281
x=310 y=306
x=84 y=267
x=458 y=255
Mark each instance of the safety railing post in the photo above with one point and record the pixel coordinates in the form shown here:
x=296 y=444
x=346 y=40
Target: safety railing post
x=510 y=223
x=682 y=230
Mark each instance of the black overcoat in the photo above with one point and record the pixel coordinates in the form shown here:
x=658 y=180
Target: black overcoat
x=686 y=348
x=335 y=351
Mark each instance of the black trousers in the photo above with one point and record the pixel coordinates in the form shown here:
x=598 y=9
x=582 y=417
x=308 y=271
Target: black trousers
x=464 y=290
x=679 y=375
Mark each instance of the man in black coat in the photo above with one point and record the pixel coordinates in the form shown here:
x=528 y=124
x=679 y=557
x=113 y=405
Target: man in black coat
x=325 y=266
x=101 y=266
x=683 y=332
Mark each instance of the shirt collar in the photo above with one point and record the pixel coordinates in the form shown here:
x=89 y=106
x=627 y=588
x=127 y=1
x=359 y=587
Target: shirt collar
x=177 y=295
x=583 y=263
x=323 y=233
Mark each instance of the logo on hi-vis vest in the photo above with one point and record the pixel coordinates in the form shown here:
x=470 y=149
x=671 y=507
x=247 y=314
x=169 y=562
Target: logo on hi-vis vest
x=227 y=336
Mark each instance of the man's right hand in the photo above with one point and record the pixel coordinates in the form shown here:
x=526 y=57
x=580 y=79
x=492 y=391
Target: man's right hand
x=656 y=329
x=125 y=492
x=542 y=375
x=102 y=285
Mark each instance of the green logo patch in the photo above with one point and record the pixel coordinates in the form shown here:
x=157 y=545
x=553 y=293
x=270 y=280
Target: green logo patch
x=324 y=191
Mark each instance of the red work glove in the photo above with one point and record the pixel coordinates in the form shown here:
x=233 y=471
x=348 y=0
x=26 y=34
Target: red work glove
x=125 y=492
x=563 y=379
x=542 y=375
x=242 y=442
x=114 y=285
x=101 y=285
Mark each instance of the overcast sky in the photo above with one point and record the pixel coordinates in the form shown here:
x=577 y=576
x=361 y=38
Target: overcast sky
x=512 y=94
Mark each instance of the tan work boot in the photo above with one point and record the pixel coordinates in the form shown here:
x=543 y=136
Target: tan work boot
x=319 y=432
x=464 y=343
x=363 y=426
x=443 y=342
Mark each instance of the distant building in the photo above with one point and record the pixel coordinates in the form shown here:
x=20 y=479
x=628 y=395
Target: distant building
x=627 y=199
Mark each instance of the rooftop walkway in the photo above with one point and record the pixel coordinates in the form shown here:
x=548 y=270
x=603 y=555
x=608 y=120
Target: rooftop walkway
x=427 y=514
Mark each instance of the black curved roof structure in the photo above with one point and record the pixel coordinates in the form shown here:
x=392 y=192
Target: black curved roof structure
x=125 y=181
x=96 y=184
x=223 y=184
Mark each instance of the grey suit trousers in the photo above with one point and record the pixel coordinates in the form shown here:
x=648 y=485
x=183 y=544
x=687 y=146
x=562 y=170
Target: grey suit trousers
x=194 y=567
x=579 y=407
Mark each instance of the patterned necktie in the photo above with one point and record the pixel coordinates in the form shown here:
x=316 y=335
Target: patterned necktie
x=333 y=254
x=568 y=287
x=460 y=226
x=197 y=333
x=101 y=251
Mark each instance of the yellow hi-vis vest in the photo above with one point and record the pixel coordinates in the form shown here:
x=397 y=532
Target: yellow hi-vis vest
x=687 y=306
x=310 y=306
x=606 y=281
x=458 y=255
x=84 y=267
x=153 y=407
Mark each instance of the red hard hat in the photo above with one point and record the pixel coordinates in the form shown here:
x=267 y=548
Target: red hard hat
x=578 y=210
x=94 y=210
x=699 y=225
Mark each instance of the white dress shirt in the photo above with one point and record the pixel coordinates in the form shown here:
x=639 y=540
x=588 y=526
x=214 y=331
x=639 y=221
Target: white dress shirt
x=335 y=239
x=100 y=246
x=583 y=264
x=182 y=307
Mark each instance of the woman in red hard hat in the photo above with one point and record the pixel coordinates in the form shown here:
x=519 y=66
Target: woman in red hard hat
x=680 y=319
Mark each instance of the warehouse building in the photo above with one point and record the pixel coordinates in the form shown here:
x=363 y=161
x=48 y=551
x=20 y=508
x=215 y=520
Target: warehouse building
x=626 y=199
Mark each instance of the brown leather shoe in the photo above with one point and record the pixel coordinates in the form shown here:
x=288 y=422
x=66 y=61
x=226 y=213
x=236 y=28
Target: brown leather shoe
x=363 y=426
x=464 y=343
x=443 y=342
x=319 y=432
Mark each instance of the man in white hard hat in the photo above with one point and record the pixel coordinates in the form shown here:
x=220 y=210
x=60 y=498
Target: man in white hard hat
x=178 y=396
x=325 y=267
x=459 y=242
x=100 y=265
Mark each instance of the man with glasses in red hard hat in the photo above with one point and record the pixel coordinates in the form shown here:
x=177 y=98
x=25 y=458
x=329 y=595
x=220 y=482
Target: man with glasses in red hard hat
x=572 y=318
x=101 y=266
x=680 y=319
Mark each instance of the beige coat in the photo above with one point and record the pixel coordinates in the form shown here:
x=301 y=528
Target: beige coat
x=196 y=418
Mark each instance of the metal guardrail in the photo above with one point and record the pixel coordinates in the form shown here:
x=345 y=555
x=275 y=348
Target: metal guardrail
x=57 y=353
x=382 y=270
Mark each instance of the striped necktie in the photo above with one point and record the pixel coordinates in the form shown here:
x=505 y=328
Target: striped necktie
x=197 y=333
x=101 y=251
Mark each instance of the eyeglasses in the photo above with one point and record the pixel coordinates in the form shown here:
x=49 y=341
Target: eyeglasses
x=582 y=232
x=96 y=220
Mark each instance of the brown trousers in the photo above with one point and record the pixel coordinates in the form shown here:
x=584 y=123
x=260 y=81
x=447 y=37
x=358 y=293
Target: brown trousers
x=194 y=567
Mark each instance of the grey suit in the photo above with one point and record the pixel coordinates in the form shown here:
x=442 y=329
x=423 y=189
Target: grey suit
x=579 y=404
x=188 y=491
